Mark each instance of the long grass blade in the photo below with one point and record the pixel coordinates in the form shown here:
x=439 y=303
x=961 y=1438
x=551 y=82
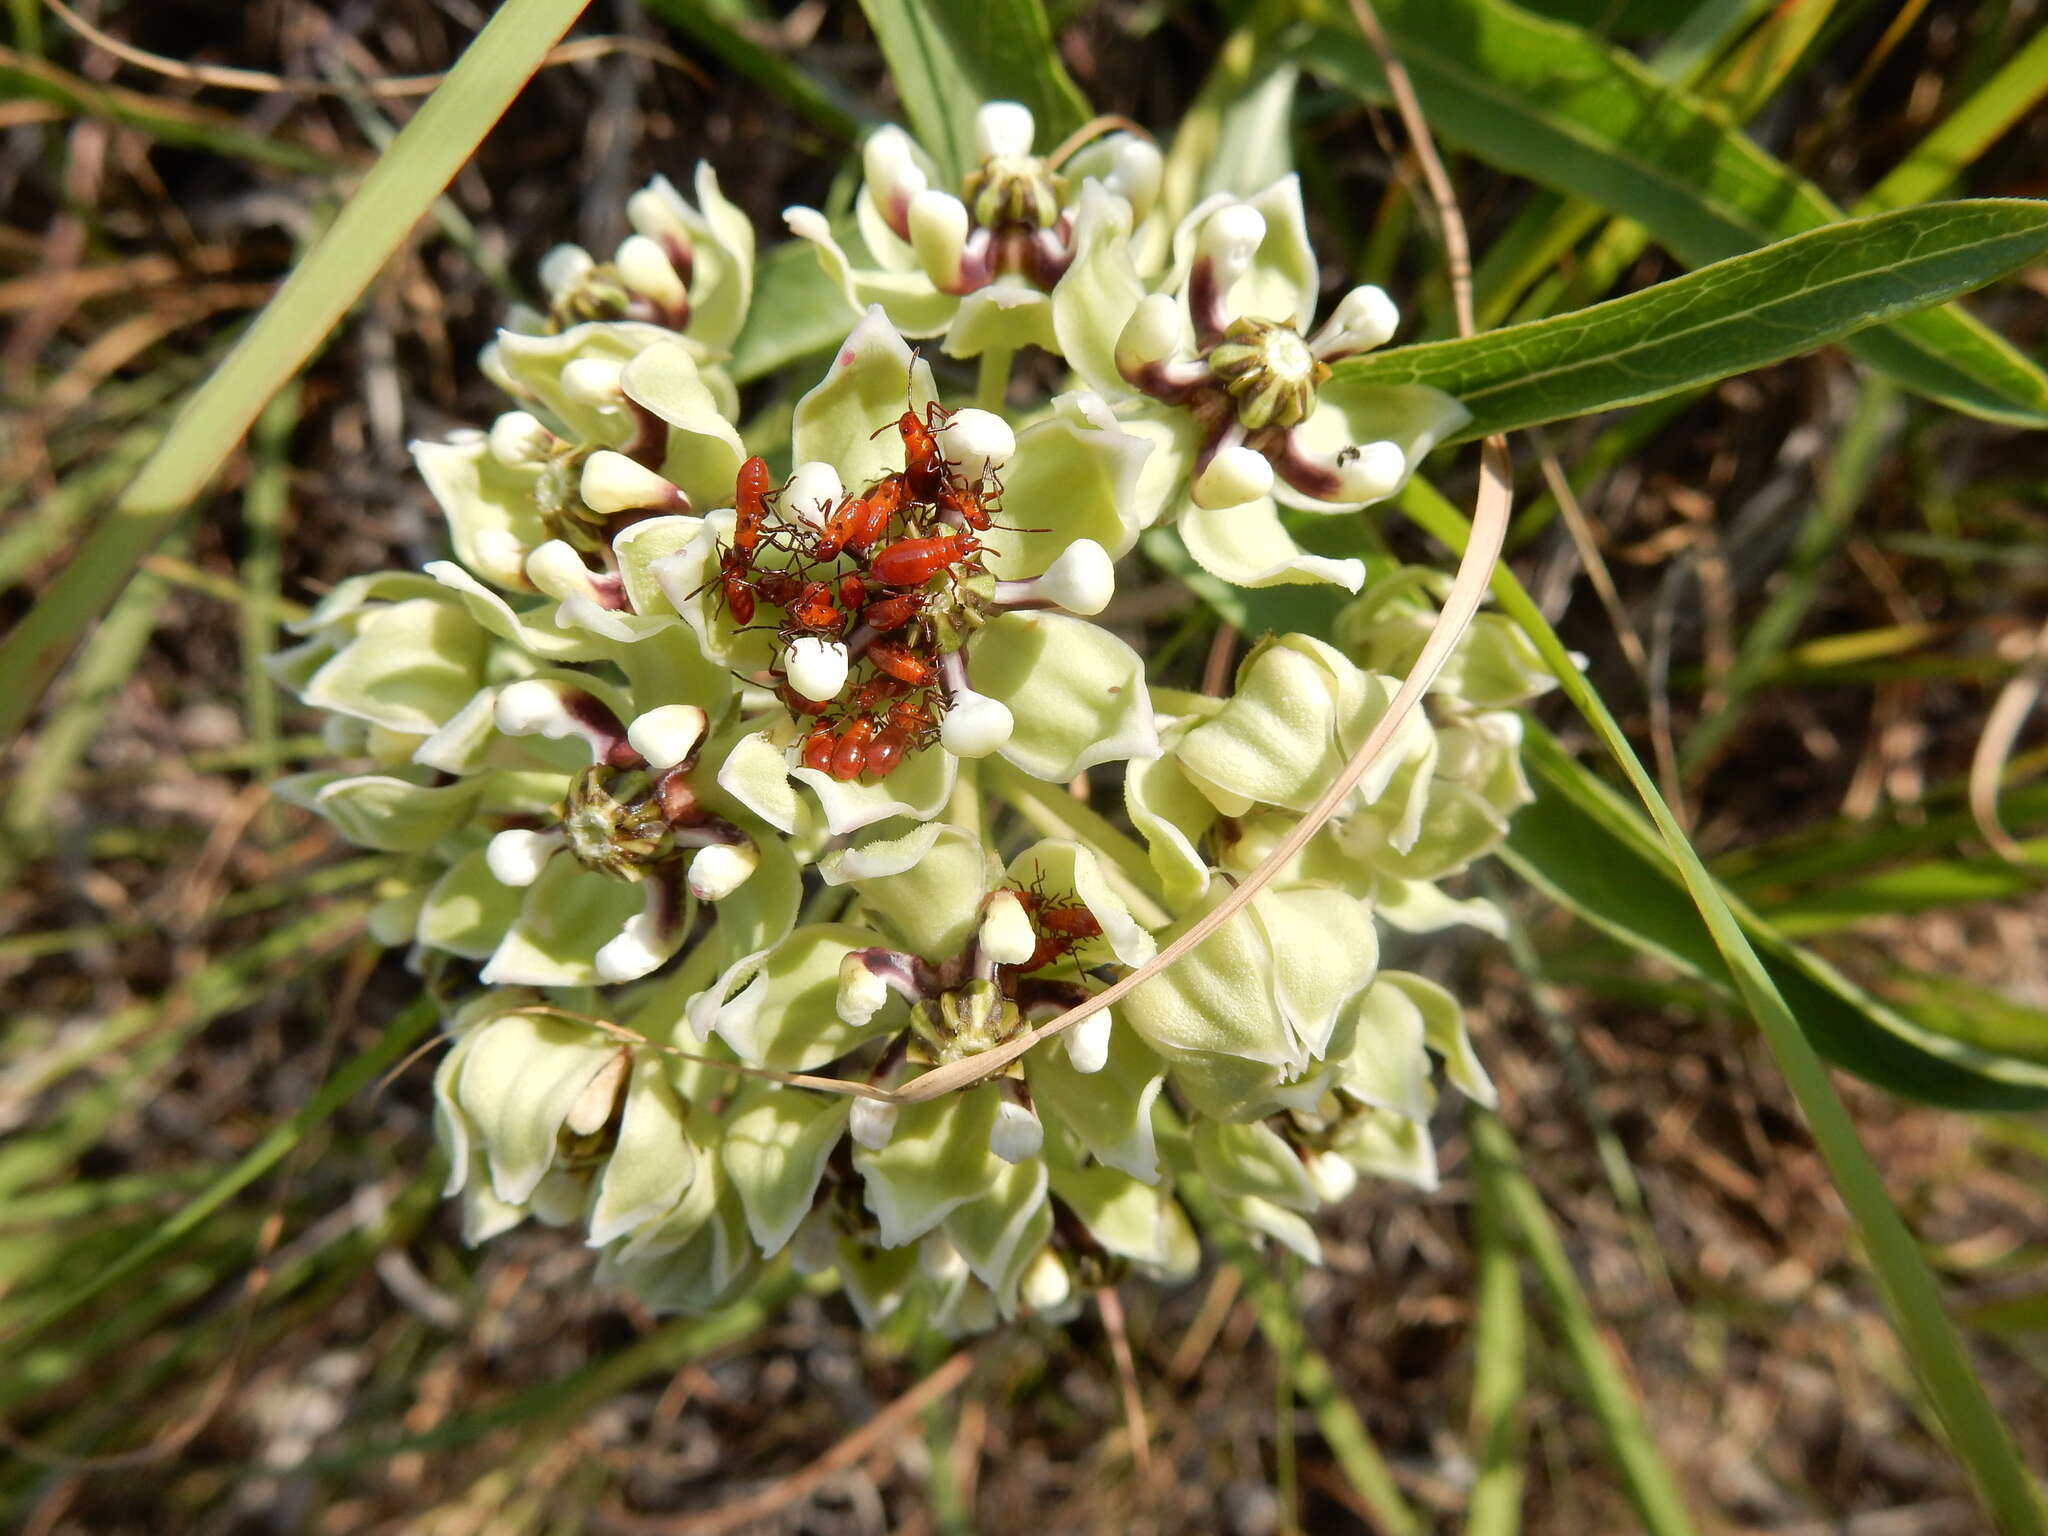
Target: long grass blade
x=398 y=190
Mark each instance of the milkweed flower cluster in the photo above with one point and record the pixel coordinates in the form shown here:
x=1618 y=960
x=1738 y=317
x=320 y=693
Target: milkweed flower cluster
x=733 y=785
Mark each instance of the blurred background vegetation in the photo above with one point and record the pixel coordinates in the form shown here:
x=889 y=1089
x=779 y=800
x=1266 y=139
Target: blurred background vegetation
x=1801 y=589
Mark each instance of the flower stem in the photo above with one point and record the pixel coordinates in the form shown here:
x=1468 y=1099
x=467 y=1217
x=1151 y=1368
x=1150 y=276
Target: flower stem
x=992 y=382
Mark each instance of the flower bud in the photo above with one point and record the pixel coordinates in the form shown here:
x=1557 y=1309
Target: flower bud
x=1003 y=128
x=517 y=437
x=517 y=856
x=1082 y=580
x=593 y=380
x=813 y=491
x=1017 y=1133
x=716 y=872
x=1150 y=337
x=975 y=724
x=667 y=735
x=531 y=707
x=1006 y=936
x=1046 y=1285
x=564 y=267
x=816 y=668
x=1087 y=1042
x=871 y=1122
x=861 y=992
x=646 y=269
x=978 y=442
x=1234 y=475
x=938 y=234
x=614 y=483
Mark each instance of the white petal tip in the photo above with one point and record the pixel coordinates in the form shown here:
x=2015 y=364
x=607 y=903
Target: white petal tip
x=517 y=437
x=976 y=725
x=1371 y=471
x=1017 y=1133
x=1004 y=128
x=1232 y=477
x=1083 y=579
x=861 y=993
x=516 y=857
x=871 y=1123
x=1087 y=1043
x=1046 y=1285
x=977 y=441
x=530 y=707
x=716 y=872
x=592 y=380
x=668 y=734
x=614 y=483
x=816 y=668
x=638 y=949
x=1007 y=936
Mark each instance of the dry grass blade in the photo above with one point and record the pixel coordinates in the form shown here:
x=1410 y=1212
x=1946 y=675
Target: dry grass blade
x=263 y=83
x=2009 y=712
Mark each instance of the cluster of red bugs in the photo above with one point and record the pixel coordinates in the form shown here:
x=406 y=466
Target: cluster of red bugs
x=901 y=532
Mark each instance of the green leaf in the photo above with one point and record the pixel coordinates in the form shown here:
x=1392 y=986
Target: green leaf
x=1743 y=313
x=392 y=198
x=1580 y=844
x=723 y=27
x=947 y=59
x=1979 y=1437
x=1967 y=131
x=1549 y=102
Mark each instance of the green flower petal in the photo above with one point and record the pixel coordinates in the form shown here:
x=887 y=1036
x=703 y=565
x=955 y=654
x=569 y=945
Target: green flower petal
x=775 y=1147
x=1127 y=1217
x=703 y=455
x=535 y=630
x=1099 y=290
x=1383 y=1063
x=876 y=1279
x=467 y=911
x=1077 y=692
x=1415 y=906
x=925 y=887
x=492 y=517
x=936 y=1161
x=1172 y=816
x=1389 y=1147
x=380 y=811
x=1108 y=1112
x=529 y=368
x=722 y=261
x=1251 y=1161
x=1003 y=1231
x=653 y=1164
x=410 y=667
x=1444 y=1028
x=519 y=1081
x=778 y=1009
x=639 y=545
x=756 y=774
x=872 y=381
x=913 y=306
x=1003 y=314
x=567 y=914
x=1213 y=1016
x=1286 y=1227
x=1248 y=546
x=1076 y=475
x=1061 y=869
x=919 y=787
x=1325 y=951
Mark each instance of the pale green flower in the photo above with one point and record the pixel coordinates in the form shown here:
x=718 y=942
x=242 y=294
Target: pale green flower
x=978 y=267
